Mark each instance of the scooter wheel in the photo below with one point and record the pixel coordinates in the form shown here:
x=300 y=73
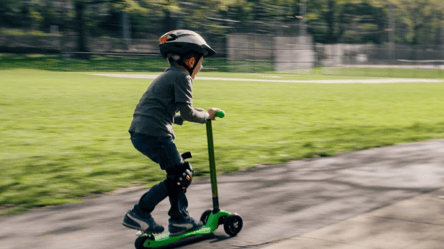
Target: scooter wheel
x=233 y=224
x=205 y=216
x=140 y=241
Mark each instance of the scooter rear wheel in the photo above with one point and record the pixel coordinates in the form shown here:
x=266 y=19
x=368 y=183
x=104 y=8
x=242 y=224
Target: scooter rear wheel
x=233 y=224
x=205 y=216
x=140 y=241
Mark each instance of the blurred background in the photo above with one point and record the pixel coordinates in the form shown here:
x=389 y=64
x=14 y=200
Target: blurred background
x=282 y=35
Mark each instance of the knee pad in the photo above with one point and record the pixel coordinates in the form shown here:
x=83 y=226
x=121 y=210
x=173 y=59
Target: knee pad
x=179 y=178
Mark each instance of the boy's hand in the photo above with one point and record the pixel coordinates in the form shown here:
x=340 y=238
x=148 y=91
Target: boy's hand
x=212 y=112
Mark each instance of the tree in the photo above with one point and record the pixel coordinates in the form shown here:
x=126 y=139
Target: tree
x=351 y=21
x=81 y=5
x=424 y=18
x=18 y=14
x=326 y=20
x=8 y=11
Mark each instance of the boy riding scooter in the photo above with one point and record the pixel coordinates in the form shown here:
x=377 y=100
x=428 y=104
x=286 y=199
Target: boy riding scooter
x=152 y=133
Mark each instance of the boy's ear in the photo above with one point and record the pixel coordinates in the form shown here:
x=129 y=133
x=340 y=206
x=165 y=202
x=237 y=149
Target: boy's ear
x=190 y=62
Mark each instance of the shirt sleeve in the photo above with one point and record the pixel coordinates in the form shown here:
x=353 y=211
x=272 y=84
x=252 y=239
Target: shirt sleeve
x=183 y=90
x=187 y=112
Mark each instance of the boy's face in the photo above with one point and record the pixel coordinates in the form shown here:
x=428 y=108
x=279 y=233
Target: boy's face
x=198 y=68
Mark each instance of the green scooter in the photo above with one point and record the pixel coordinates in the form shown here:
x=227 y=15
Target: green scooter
x=210 y=218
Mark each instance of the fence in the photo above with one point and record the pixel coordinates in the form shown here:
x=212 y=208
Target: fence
x=382 y=55
x=381 y=60
x=67 y=42
x=247 y=52
x=285 y=53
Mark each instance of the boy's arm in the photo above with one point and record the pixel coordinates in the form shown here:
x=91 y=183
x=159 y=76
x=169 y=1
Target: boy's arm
x=188 y=113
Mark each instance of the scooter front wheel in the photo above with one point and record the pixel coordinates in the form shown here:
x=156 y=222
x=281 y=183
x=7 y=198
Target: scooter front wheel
x=233 y=224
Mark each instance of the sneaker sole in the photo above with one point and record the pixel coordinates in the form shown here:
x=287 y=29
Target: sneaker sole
x=139 y=229
x=131 y=227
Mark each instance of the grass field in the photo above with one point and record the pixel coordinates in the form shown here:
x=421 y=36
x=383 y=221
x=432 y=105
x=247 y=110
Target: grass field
x=64 y=134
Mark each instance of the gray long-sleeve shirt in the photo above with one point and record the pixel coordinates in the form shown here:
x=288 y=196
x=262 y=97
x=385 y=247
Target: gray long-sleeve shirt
x=169 y=93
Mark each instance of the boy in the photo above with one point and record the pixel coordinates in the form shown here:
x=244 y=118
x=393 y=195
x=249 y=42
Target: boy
x=152 y=133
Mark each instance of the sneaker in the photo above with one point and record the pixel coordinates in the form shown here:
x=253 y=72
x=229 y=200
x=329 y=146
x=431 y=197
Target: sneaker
x=178 y=227
x=142 y=222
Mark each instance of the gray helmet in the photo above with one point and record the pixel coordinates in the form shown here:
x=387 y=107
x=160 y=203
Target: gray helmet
x=183 y=41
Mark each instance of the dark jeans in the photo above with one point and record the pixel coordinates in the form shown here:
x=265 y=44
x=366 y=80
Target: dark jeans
x=163 y=151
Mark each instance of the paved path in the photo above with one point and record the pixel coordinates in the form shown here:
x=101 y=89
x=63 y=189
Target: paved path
x=416 y=223
x=301 y=198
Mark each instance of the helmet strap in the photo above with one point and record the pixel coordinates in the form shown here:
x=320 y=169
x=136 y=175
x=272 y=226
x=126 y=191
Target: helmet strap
x=190 y=70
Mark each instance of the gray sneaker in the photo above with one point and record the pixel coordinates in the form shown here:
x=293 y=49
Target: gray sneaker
x=178 y=227
x=142 y=222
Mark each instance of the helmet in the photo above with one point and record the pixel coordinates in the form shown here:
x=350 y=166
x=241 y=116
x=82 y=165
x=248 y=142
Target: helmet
x=183 y=41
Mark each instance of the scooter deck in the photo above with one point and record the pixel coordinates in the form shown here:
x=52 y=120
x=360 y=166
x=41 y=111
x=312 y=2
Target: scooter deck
x=165 y=238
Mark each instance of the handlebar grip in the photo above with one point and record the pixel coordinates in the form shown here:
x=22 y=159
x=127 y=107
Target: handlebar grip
x=220 y=114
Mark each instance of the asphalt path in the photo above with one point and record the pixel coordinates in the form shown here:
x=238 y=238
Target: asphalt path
x=275 y=201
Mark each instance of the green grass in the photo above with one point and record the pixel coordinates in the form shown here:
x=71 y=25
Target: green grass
x=64 y=134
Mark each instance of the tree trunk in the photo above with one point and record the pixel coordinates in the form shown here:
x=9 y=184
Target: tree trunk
x=416 y=33
x=439 y=33
x=81 y=36
x=168 y=21
x=331 y=22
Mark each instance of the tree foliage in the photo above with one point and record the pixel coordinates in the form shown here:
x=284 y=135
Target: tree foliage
x=424 y=19
x=329 y=21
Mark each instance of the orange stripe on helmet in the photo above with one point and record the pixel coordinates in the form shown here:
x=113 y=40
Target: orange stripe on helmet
x=163 y=39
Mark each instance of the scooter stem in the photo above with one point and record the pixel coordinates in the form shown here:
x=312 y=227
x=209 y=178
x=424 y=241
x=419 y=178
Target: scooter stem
x=212 y=167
